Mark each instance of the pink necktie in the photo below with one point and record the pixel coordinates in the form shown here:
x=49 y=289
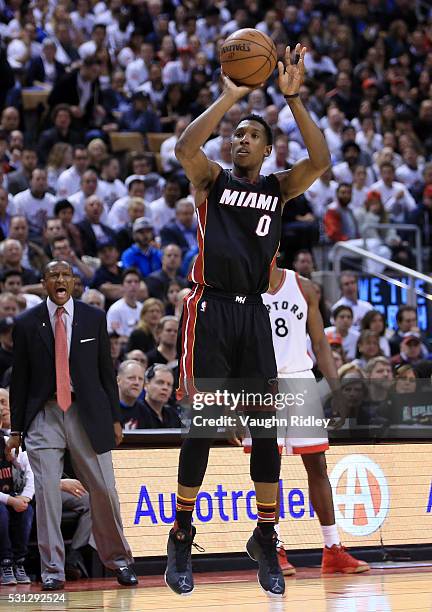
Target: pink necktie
x=64 y=398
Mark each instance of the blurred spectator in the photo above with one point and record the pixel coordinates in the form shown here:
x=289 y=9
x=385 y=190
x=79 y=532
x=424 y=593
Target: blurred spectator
x=78 y=289
x=339 y=220
x=5 y=216
x=137 y=355
x=12 y=282
x=303 y=263
x=182 y=231
x=406 y=319
x=59 y=158
x=11 y=253
x=130 y=380
x=166 y=350
x=81 y=90
x=35 y=203
x=95 y=298
x=8 y=305
x=110 y=184
x=64 y=211
x=163 y=210
x=6 y=344
x=158 y=282
x=108 y=276
x=4 y=411
x=124 y=314
x=45 y=68
x=344 y=171
x=410 y=349
x=380 y=378
x=93 y=232
x=116 y=344
x=140 y=117
x=16 y=515
x=62 y=251
x=124 y=236
x=343 y=321
x=61 y=131
x=169 y=160
x=89 y=187
x=20 y=179
x=396 y=198
x=348 y=284
x=69 y=181
x=367 y=348
x=375 y=321
x=157 y=414
x=141 y=254
x=145 y=336
x=321 y=193
x=118 y=216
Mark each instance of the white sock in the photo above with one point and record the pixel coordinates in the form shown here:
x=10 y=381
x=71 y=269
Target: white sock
x=330 y=535
x=277 y=529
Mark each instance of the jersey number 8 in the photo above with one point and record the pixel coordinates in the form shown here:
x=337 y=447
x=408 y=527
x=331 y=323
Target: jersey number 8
x=281 y=328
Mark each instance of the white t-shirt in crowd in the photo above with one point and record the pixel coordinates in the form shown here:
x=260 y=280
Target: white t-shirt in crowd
x=161 y=213
x=35 y=210
x=122 y=318
x=319 y=195
x=69 y=182
x=359 y=308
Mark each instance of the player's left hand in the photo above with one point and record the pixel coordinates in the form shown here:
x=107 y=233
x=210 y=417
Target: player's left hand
x=291 y=75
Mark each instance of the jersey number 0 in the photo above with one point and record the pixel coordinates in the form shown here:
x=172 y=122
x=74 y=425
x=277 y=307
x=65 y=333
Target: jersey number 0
x=263 y=226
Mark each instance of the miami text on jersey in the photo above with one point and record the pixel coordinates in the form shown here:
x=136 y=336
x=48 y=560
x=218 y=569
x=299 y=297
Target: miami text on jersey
x=232 y=197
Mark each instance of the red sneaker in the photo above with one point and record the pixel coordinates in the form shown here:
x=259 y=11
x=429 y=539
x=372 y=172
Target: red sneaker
x=337 y=560
x=284 y=564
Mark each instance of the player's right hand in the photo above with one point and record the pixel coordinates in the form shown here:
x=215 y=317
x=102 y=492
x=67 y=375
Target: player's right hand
x=237 y=91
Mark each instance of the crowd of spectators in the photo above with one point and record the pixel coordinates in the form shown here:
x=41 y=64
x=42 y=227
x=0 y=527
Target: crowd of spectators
x=124 y=219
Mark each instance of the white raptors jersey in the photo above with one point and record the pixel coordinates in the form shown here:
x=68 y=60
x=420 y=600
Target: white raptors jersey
x=288 y=309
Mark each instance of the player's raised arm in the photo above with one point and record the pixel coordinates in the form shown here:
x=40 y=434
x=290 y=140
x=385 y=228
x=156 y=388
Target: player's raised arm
x=201 y=171
x=305 y=171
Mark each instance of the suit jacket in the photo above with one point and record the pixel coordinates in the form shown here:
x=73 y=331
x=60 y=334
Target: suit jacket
x=33 y=380
x=88 y=237
x=36 y=71
x=66 y=91
x=171 y=234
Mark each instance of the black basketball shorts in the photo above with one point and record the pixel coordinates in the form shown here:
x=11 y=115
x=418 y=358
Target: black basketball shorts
x=224 y=339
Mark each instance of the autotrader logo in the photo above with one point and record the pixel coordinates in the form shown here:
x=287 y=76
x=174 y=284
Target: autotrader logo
x=361 y=495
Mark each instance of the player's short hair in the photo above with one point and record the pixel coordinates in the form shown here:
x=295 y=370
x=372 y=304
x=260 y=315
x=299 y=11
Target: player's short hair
x=263 y=122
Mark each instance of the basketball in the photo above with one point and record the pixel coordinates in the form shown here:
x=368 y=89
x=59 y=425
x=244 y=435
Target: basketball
x=248 y=57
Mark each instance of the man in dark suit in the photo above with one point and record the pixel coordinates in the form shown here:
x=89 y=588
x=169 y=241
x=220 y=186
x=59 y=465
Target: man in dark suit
x=183 y=230
x=64 y=396
x=91 y=229
x=60 y=132
x=37 y=69
x=81 y=90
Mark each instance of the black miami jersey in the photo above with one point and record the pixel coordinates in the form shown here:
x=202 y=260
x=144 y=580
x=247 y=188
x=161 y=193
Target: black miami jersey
x=239 y=227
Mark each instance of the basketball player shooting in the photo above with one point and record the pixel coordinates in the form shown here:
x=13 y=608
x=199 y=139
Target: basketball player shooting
x=293 y=308
x=225 y=328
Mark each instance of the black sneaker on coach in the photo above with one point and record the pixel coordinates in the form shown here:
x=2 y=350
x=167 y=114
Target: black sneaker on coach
x=262 y=548
x=178 y=574
x=126 y=576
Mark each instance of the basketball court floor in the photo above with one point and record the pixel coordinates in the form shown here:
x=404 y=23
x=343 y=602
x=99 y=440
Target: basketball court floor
x=389 y=590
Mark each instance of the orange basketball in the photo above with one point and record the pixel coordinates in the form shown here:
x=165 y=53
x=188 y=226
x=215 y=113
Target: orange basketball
x=248 y=57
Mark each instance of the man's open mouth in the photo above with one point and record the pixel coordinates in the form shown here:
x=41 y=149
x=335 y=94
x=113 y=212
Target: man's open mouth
x=61 y=292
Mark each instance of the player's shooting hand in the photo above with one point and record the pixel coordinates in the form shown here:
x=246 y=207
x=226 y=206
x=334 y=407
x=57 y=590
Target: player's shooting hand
x=291 y=75
x=236 y=91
